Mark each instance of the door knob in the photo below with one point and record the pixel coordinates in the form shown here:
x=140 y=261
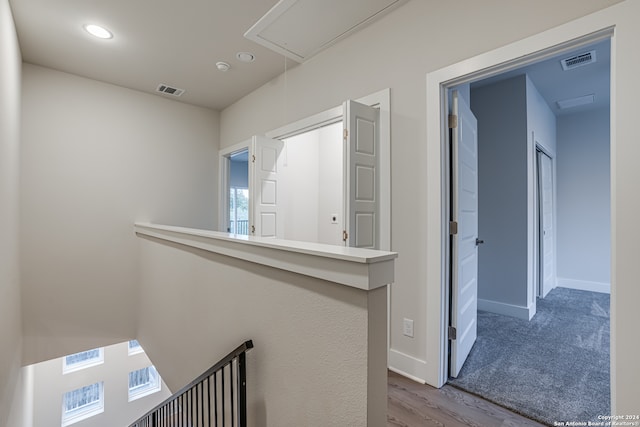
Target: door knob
x=479 y=242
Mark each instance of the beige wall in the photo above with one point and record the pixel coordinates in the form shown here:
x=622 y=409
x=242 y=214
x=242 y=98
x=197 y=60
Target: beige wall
x=50 y=385
x=397 y=52
x=10 y=319
x=314 y=340
x=95 y=159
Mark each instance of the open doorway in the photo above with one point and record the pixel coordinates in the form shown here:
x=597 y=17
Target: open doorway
x=542 y=184
x=238 y=222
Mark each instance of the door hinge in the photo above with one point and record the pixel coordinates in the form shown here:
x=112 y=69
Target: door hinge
x=345 y=134
x=452 y=333
x=453 y=228
x=453 y=121
x=253 y=158
x=345 y=235
x=253 y=229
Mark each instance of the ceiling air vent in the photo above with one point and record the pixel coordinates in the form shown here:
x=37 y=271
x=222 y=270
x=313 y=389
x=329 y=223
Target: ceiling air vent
x=576 y=61
x=169 y=90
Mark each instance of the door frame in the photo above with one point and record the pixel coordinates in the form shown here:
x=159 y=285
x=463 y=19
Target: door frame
x=382 y=101
x=537 y=218
x=224 y=168
x=536 y=48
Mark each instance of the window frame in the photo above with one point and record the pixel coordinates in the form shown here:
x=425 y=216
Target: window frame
x=68 y=368
x=143 y=390
x=84 y=412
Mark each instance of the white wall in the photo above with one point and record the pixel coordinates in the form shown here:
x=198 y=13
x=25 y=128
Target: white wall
x=414 y=41
x=541 y=130
x=501 y=110
x=50 y=385
x=10 y=307
x=584 y=200
x=301 y=180
x=330 y=180
x=313 y=338
x=313 y=175
x=95 y=159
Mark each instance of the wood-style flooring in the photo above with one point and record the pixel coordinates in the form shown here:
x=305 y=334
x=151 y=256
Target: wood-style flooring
x=416 y=405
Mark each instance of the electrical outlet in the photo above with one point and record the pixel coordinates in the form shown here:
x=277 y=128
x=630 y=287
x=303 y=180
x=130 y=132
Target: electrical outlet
x=334 y=218
x=407 y=328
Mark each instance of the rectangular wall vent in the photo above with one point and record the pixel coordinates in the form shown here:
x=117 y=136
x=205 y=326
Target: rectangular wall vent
x=578 y=60
x=162 y=88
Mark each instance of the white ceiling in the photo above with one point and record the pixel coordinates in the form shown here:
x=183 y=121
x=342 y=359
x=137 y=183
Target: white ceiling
x=554 y=84
x=178 y=42
x=173 y=42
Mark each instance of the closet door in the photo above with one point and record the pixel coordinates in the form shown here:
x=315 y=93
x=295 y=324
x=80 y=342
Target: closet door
x=266 y=192
x=546 y=230
x=362 y=200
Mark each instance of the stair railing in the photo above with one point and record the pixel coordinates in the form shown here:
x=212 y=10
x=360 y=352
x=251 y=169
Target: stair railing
x=218 y=397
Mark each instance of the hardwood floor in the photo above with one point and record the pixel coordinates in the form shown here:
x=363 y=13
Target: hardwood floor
x=415 y=405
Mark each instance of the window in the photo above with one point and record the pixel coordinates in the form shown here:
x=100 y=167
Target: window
x=82 y=403
x=134 y=347
x=82 y=360
x=143 y=382
x=239 y=210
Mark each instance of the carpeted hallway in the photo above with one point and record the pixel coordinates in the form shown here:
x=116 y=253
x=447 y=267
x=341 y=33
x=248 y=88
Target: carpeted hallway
x=553 y=368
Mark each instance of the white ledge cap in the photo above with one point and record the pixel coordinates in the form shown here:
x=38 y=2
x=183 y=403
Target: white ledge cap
x=365 y=269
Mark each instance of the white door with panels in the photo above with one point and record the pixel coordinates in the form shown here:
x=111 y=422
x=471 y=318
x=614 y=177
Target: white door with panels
x=362 y=200
x=545 y=206
x=266 y=187
x=464 y=233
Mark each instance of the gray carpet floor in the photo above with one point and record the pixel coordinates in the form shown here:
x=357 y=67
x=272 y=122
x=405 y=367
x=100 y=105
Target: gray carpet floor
x=553 y=368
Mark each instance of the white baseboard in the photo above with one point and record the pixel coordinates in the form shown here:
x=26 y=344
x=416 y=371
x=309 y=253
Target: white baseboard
x=584 y=285
x=505 y=309
x=408 y=366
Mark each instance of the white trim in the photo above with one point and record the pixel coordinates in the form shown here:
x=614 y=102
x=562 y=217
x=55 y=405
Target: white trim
x=407 y=366
x=83 y=413
x=584 y=285
x=66 y=369
x=223 y=183
x=322 y=119
x=580 y=32
x=364 y=269
x=505 y=309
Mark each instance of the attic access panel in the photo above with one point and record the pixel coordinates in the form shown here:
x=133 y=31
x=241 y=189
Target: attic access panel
x=299 y=29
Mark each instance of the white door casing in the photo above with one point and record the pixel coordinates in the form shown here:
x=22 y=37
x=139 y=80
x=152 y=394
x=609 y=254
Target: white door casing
x=546 y=229
x=362 y=199
x=464 y=212
x=265 y=204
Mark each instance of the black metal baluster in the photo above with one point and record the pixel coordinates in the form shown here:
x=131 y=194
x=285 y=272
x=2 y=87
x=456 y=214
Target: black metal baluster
x=201 y=397
x=231 y=395
x=191 y=405
x=223 y=401
x=209 y=402
x=196 y=413
x=242 y=390
x=215 y=397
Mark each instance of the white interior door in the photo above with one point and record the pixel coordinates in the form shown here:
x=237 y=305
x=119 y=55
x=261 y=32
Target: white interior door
x=362 y=200
x=546 y=230
x=464 y=213
x=266 y=187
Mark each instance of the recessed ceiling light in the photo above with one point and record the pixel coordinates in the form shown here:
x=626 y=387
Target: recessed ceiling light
x=245 y=56
x=98 y=31
x=222 y=66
